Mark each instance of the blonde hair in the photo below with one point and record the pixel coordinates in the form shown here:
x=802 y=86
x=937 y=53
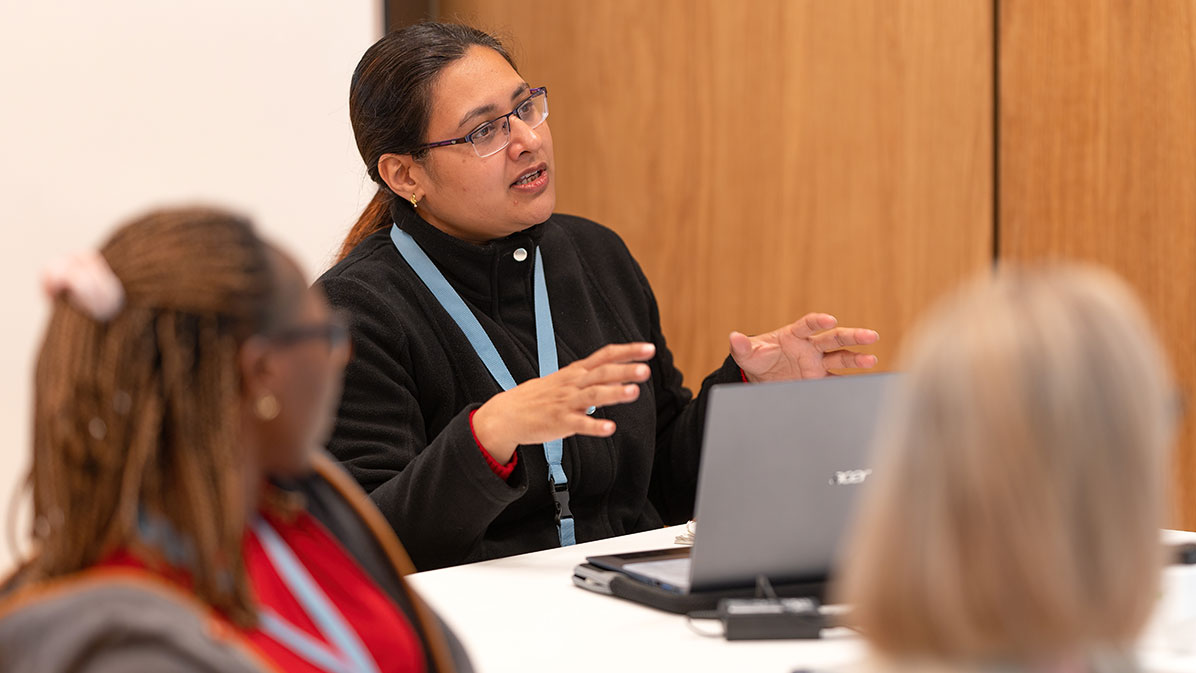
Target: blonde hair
x=1020 y=476
x=138 y=415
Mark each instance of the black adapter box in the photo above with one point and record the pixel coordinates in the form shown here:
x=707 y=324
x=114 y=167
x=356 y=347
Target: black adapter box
x=770 y=619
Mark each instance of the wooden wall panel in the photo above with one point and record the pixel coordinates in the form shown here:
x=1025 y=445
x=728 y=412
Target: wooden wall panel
x=764 y=159
x=1098 y=158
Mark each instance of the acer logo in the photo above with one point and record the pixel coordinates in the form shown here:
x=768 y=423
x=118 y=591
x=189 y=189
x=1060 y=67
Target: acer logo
x=849 y=477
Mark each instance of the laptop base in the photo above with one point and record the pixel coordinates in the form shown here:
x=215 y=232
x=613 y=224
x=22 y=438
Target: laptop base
x=615 y=583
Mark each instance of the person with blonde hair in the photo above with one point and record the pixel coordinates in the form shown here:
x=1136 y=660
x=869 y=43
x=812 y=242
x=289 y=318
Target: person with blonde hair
x=1014 y=519
x=183 y=519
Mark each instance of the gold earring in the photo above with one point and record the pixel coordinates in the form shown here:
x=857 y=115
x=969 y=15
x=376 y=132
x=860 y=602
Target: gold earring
x=414 y=201
x=267 y=407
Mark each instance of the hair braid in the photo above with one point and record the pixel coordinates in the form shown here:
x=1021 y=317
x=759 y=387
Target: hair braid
x=140 y=415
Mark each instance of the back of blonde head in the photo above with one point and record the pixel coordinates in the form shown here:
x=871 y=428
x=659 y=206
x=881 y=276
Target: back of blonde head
x=1020 y=476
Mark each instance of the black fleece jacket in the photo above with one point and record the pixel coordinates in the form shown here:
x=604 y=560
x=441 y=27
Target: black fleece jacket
x=403 y=427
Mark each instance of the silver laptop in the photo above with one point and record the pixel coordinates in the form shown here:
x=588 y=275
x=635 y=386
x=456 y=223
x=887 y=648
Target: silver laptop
x=782 y=468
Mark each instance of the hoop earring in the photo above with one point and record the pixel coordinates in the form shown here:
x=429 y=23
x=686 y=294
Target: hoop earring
x=267 y=407
x=414 y=201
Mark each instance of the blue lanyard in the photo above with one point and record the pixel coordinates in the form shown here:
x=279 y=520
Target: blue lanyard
x=484 y=347
x=349 y=655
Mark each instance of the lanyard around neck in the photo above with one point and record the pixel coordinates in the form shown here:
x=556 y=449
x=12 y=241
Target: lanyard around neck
x=347 y=654
x=452 y=302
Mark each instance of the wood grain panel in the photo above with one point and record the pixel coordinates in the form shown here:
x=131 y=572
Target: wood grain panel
x=1098 y=158
x=769 y=158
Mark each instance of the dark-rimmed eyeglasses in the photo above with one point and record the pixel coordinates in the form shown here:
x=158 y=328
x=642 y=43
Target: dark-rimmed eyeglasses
x=493 y=136
x=334 y=332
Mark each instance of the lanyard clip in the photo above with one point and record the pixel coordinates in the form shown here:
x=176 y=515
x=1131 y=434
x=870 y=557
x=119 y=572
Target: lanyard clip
x=560 y=497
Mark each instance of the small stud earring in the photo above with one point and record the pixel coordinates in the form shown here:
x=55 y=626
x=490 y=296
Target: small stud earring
x=414 y=201
x=266 y=407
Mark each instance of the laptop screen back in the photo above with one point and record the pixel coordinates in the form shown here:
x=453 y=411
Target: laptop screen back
x=782 y=468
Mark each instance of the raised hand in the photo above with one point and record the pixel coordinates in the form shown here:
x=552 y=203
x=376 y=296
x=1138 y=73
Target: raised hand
x=805 y=349
x=554 y=406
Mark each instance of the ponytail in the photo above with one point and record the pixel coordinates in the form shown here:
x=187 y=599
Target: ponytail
x=374 y=218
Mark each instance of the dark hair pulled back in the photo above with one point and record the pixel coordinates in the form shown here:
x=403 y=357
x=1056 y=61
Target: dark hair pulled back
x=390 y=102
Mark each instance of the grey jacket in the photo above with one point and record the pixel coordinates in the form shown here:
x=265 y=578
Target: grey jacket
x=109 y=620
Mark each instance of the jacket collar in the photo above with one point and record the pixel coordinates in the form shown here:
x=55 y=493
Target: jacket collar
x=471 y=268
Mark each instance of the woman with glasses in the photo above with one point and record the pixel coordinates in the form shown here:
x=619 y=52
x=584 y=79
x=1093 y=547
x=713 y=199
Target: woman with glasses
x=511 y=389
x=183 y=520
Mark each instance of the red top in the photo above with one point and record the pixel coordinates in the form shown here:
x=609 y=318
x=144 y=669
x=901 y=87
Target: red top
x=382 y=628
x=378 y=622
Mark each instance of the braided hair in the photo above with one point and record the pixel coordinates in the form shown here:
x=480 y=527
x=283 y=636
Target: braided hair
x=138 y=415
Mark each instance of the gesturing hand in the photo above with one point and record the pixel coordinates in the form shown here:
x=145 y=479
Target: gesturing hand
x=554 y=406
x=805 y=349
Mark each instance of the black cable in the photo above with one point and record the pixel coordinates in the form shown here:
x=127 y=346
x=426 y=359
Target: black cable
x=764 y=589
x=702 y=614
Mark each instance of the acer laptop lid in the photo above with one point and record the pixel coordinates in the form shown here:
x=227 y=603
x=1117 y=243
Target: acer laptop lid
x=782 y=468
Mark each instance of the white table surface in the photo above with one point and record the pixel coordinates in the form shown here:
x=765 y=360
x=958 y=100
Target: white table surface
x=523 y=614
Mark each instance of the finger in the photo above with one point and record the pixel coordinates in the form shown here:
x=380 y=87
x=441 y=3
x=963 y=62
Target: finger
x=741 y=346
x=812 y=323
x=605 y=396
x=843 y=337
x=593 y=427
x=615 y=373
x=848 y=360
x=632 y=352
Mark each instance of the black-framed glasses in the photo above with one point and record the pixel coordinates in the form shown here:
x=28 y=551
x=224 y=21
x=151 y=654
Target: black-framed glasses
x=334 y=331
x=493 y=136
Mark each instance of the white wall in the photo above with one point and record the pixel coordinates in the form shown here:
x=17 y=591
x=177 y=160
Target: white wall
x=108 y=108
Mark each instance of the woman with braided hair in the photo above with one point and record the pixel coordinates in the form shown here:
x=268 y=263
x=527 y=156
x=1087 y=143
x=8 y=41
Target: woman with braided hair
x=183 y=521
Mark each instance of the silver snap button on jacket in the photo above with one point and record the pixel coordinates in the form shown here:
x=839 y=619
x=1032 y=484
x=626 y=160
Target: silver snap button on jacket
x=520 y=254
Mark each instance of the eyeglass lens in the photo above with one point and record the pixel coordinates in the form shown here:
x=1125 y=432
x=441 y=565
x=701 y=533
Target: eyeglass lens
x=492 y=137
